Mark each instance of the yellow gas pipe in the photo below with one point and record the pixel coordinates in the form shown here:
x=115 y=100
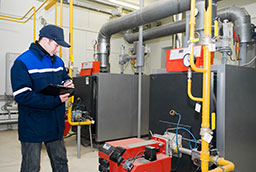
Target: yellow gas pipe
x=56 y=11
x=50 y=4
x=21 y=18
x=18 y=20
x=61 y=19
x=225 y=164
x=206 y=70
x=71 y=60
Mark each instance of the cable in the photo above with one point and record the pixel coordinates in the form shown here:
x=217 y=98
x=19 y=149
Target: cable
x=190 y=140
x=178 y=161
x=172 y=112
x=247 y=64
x=137 y=155
x=194 y=139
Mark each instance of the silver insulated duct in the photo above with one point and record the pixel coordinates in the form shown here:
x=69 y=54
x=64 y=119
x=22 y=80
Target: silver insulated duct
x=156 y=32
x=155 y=11
x=242 y=24
x=241 y=20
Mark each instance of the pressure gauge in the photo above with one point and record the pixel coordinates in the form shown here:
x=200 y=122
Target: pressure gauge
x=94 y=42
x=186 y=61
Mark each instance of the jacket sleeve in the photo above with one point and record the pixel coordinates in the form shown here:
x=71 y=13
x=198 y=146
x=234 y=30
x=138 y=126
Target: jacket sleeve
x=23 y=92
x=65 y=74
x=66 y=77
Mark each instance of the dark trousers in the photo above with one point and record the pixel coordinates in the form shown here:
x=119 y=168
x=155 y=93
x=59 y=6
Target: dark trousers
x=31 y=156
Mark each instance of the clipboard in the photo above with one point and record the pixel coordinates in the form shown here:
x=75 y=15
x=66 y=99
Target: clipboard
x=56 y=90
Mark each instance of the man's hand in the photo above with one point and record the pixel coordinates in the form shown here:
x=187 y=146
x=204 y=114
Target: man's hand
x=64 y=97
x=69 y=83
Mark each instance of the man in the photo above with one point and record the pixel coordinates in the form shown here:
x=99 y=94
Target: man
x=41 y=117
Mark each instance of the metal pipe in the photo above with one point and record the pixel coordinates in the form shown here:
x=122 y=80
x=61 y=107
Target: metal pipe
x=241 y=20
x=205 y=154
x=134 y=19
x=78 y=140
x=168 y=29
x=177 y=38
x=156 y=32
x=242 y=24
x=26 y=13
x=224 y=165
x=185 y=151
x=19 y=20
x=91 y=8
x=140 y=64
x=50 y=4
x=56 y=12
x=139 y=100
x=224 y=57
x=61 y=22
x=34 y=26
x=9 y=121
x=185 y=42
x=90 y=132
x=199 y=26
x=71 y=60
x=243 y=54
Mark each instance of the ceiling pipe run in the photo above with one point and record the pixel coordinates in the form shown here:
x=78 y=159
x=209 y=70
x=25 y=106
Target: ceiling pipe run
x=156 y=32
x=155 y=11
x=236 y=15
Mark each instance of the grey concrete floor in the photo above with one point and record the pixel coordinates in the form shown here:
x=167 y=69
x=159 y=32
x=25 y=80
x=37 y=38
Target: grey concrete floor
x=10 y=155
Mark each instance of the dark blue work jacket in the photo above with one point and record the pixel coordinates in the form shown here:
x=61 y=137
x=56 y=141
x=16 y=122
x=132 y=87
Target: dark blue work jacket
x=41 y=117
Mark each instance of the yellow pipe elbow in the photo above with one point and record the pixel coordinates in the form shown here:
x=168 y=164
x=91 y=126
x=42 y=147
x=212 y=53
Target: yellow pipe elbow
x=17 y=18
x=191 y=61
x=226 y=165
x=50 y=4
x=88 y=122
x=190 y=94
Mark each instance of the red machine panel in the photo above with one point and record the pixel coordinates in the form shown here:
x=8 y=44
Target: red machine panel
x=88 y=68
x=174 y=58
x=133 y=159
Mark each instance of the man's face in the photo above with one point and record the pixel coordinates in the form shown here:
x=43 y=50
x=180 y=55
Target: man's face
x=52 y=47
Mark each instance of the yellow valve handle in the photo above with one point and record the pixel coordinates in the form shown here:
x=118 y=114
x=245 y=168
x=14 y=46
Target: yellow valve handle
x=194 y=40
x=213 y=121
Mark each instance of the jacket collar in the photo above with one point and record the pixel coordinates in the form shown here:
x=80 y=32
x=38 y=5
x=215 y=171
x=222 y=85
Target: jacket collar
x=40 y=52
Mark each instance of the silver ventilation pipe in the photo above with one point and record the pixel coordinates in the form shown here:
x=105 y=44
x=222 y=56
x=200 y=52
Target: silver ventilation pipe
x=156 y=32
x=242 y=24
x=155 y=11
x=175 y=27
x=177 y=38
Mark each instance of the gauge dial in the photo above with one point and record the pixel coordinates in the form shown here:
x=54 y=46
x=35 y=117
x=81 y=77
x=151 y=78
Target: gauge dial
x=186 y=60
